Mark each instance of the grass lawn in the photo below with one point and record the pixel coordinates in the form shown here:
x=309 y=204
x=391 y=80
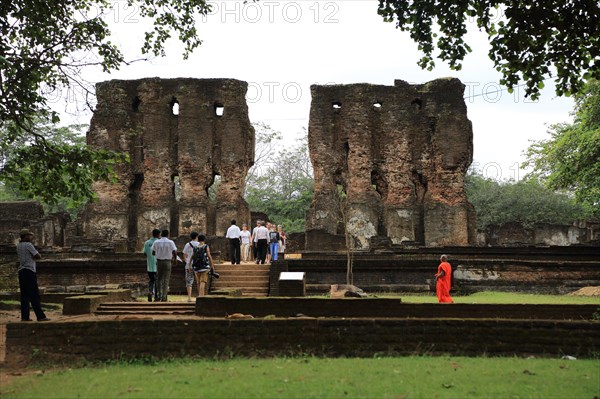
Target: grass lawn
x=401 y=377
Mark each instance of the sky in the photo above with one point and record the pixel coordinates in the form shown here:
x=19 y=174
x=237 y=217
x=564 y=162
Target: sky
x=282 y=47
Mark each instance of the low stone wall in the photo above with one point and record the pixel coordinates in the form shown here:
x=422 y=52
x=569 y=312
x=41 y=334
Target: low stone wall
x=86 y=304
x=548 y=270
x=115 y=339
x=214 y=306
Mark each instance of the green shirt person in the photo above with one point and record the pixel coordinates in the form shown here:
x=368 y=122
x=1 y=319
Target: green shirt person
x=151 y=266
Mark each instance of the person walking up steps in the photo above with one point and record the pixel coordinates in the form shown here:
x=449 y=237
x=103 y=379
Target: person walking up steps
x=262 y=239
x=151 y=266
x=202 y=263
x=166 y=257
x=233 y=235
x=274 y=242
x=188 y=251
x=245 y=240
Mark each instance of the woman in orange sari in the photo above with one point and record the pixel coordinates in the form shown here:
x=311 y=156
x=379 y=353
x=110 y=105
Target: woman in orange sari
x=442 y=281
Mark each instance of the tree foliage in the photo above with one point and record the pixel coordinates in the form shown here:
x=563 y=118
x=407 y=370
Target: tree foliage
x=527 y=202
x=281 y=182
x=42 y=172
x=530 y=41
x=570 y=159
x=45 y=45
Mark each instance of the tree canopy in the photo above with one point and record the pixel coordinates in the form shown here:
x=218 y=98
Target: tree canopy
x=530 y=40
x=44 y=45
x=281 y=182
x=570 y=159
x=526 y=201
x=41 y=172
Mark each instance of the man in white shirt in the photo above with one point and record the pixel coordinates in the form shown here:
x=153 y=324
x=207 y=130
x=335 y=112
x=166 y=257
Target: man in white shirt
x=254 y=241
x=262 y=237
x=233 y=235
x=165 y=252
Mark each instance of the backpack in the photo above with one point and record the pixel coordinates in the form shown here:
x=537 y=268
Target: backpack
x=199 y=261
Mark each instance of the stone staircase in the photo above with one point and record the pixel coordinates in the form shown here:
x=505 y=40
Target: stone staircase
x=250 y=278
x=146 y=308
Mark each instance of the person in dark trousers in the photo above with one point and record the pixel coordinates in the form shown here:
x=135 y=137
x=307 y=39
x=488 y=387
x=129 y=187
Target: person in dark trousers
x=30 y=292
x=166 y=257
x=233 y=235
x=262 y=238
x=151 y=266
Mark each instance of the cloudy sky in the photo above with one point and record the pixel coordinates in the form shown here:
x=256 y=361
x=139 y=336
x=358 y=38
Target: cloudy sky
x=282 y=47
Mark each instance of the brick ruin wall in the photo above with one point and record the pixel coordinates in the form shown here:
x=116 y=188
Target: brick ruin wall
x=399 y=154
x=81 y=341
x=174 y=158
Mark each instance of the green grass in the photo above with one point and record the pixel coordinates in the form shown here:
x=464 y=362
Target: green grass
x=500 y=298
x=401 y=377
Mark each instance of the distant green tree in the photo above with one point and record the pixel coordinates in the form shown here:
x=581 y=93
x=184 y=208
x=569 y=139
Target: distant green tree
x=35 y=172
x=527 y=202
x=282 y=184
x=570 y=159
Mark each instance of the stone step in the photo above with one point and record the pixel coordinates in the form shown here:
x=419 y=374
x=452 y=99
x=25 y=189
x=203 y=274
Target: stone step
x=107 y=312
x=133 y=308
x=251 y=279
x=241 y=280
x=243 y=277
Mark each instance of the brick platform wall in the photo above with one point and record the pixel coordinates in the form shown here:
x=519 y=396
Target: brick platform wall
x=103 y=340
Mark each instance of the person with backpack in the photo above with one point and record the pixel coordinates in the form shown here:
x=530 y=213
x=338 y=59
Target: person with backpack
x=202 y=263
x=188 y=252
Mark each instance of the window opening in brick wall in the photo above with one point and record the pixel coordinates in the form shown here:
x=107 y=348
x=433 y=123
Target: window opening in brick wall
x=176 y=187
x=417 y=104
x=214 y=187
x=174 y=104
x=219 y=109
x=135 y=104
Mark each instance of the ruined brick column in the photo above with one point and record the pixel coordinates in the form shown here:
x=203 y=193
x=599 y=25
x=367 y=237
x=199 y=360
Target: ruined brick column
x=399 y=153
x=175 y=156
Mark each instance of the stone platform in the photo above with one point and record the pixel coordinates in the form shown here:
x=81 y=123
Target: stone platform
x=539 y=330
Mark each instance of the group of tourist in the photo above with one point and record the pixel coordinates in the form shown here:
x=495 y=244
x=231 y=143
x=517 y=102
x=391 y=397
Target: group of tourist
x=266 y=240
x=161 y=256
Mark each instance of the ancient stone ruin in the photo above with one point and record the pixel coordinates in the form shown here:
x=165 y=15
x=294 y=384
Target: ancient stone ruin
x=389 y=163
x=179 y=134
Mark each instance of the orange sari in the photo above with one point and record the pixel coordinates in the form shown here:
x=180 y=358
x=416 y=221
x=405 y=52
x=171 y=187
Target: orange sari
x=442 y=288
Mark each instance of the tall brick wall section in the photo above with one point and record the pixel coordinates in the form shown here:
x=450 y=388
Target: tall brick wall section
x=174 y=158
x=103 y=340
x=400 y=153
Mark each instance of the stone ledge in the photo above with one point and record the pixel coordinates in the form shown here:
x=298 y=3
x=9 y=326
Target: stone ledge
x=80 y=341
x=218 y=306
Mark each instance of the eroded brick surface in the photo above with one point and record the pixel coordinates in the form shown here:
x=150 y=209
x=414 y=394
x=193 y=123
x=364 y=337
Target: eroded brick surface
x=400 y=153
x=174 y=158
